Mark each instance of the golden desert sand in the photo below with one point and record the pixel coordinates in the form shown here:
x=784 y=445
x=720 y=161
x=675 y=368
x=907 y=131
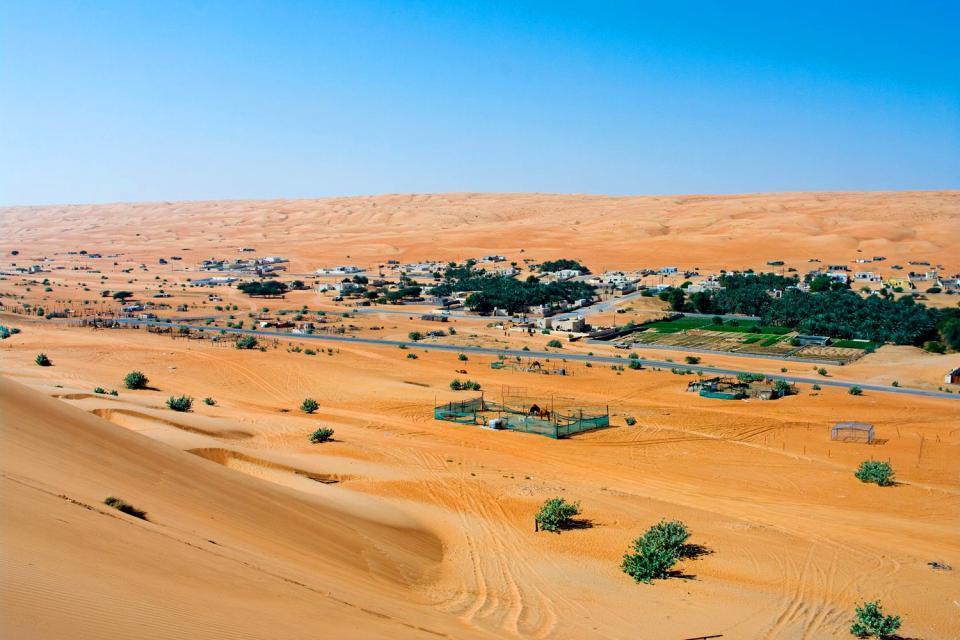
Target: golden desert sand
x=404 y=526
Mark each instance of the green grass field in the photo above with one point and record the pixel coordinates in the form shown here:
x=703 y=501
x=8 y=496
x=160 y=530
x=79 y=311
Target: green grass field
x=741 y=326
x=854 y=344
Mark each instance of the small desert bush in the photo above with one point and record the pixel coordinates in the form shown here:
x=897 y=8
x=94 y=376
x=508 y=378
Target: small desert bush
x=692 y=360
x=557 y=514
x=462 y=357
x=630 y=420
x=855 y=391
x=309 y=405
x=43 y=360
x=100 y=390
x=656 y=551
x=872 y=623
x=635 y=365
x=246 y=342
x=128 y=509
x=321 y=435
x=209 y=401
x=411 y=356
x=875 y=471
x=180 y=403
x=556 y=344
x=135 y=380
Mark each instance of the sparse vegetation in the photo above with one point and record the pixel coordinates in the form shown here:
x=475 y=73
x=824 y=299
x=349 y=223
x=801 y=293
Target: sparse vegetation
x=872 y=623
x=124 y=507
x=180 y=403
x=323 y=434
x=855 y=391
x=100 y=390
x=43 y=360
x=630 y=420
x=557 y=514
x=309 y=405
x=692 y=360
x=135 y=380
x=462 y=357
x=875 y=471
x=466 y=385
x=209 y=401
x=415 y=336
x=556 y=344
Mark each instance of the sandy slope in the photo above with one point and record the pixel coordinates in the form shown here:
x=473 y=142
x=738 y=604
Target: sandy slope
x=223 y=555
x=795 y=540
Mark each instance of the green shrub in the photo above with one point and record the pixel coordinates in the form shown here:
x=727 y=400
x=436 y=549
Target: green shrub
x=815 y=387
x=855 y=391
x=309 y=352
x=932 y=346
x=635 y=365
x=43 y=360
x=122 y=506
x=692 y=360
x=180 y=403
x=135 y=380
x=462 y=357
x=656 y=551
x=895 y=383
x=412 y=356
x=209 y=401
x=875 y=471
x=322 y=434
x=309 y=405
x=633 y=356
x=415 y=336
x=456 y=385
x=630 y=420
x=822 y=371
x=872 y=623
x=100 y=390
x=556 y=514
x=556 y=344
x=113 y=392
x=246 y=342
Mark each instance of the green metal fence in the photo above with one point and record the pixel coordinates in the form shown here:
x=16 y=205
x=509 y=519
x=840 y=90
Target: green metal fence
x=557 y=425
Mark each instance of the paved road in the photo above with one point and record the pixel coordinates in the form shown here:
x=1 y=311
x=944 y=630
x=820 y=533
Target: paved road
x=573 y=357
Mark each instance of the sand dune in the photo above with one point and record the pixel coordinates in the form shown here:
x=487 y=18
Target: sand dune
x=221 y=556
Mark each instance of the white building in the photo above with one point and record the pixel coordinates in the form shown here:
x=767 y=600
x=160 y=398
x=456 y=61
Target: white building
x=341 y=270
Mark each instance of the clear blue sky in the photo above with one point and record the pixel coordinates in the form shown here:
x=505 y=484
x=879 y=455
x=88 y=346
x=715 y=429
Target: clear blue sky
x=121 y=101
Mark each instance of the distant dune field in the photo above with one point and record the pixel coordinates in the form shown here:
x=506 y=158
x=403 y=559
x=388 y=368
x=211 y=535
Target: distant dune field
x=711 y=232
